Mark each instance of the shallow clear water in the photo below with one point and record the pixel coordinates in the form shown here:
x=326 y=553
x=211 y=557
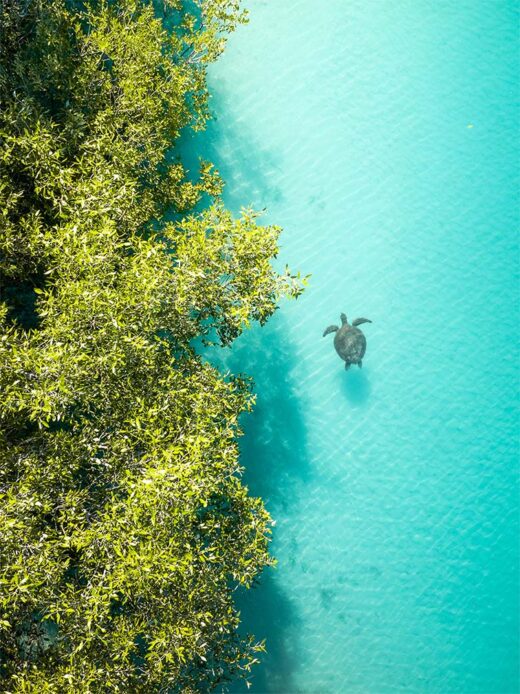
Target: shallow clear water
x=382 y=136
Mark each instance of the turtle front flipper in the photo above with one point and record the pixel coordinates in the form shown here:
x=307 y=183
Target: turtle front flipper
x=358 y=321
x=343 y=319
x=330 y=329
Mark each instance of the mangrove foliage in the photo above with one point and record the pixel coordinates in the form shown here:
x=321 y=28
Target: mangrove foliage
x=124 y=525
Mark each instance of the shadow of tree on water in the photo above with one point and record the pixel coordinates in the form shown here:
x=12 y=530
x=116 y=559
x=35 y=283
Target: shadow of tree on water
x=273 y=448
x=267 y=612
x=274 y=455
x=245 y=165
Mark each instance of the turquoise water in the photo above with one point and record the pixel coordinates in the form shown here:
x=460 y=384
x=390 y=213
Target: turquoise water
x=382 y=136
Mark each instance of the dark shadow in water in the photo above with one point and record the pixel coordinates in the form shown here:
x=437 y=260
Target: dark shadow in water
x=273 y=449
x=244 y=164
x=355 y=385
x=267 y=611
x=274 y=453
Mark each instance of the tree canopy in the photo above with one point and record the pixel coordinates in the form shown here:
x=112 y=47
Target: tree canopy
x=124 y=525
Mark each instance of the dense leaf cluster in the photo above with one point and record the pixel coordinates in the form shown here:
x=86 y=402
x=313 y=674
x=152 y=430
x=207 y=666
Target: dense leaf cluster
x=124 y=526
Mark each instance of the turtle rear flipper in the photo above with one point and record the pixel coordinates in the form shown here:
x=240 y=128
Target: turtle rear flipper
x=358 y=321
x=330 y=329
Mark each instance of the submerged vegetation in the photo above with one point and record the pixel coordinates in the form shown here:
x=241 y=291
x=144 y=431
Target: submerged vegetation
x=124 y=526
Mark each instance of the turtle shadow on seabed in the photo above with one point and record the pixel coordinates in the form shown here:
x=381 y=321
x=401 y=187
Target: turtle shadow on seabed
x=355 y=385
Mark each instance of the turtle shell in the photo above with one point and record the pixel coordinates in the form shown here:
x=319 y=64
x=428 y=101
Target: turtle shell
x=350 y=344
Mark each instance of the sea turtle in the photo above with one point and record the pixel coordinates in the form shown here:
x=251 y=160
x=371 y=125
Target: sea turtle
x=349 y=341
